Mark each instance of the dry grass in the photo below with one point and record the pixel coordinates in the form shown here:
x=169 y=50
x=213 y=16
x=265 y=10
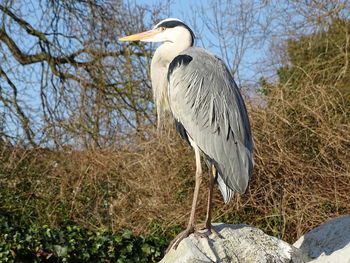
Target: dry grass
x=301 y=178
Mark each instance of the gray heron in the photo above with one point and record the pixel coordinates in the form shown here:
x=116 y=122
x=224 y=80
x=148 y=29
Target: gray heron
x=197 y=88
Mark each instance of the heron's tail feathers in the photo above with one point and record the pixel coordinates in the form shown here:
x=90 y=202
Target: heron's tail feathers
x=226 y=192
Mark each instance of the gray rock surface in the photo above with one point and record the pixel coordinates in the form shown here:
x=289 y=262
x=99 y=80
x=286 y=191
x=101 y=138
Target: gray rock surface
x=330 y=242
x=240 y=243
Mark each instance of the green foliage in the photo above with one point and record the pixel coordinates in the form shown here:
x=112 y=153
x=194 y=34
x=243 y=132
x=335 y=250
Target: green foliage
x=75 y=244
x=329 y=206
x=321 y=58
x=323 y=48
x=311 y=99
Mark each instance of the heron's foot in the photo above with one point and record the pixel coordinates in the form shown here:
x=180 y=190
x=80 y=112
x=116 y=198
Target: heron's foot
x=189 y=230
x=209 y=227
x=176 y=241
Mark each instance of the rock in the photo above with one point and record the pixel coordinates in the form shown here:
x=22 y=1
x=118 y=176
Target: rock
x=240 y=243
x=339 y=256
x=330 y=242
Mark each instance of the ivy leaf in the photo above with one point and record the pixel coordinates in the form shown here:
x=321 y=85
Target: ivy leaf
x=61 y=251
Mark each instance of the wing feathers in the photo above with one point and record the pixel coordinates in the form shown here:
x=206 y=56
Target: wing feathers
x=205 y=100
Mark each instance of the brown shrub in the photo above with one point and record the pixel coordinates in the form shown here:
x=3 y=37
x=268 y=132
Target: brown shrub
x=301 y=135
x=301 y=177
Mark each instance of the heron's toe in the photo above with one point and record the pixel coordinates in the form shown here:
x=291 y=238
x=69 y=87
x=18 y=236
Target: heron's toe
x=209 y=227
x=176 y=241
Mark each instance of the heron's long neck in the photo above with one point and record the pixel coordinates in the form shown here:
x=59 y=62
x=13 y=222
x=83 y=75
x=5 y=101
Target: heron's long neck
x=169 y=50
x=159 y=69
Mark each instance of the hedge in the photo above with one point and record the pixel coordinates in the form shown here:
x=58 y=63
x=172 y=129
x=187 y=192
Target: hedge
x=72 y=243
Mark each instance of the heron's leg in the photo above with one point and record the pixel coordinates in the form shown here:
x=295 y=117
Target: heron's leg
x=207 y=224
x=190 y=226
x=210 y=196
x=198 y=181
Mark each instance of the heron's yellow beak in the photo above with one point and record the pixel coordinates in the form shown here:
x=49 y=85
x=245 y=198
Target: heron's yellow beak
x=141 y=36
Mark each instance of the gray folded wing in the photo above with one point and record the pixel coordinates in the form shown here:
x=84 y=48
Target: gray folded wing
x=207 y=103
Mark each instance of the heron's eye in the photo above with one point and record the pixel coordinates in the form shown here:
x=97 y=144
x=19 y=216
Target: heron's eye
x=162 y=28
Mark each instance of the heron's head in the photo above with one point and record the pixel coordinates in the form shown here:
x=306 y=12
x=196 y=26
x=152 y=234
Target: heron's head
x=168 y=30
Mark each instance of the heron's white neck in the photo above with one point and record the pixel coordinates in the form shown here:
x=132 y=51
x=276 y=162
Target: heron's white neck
x=179 y=40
